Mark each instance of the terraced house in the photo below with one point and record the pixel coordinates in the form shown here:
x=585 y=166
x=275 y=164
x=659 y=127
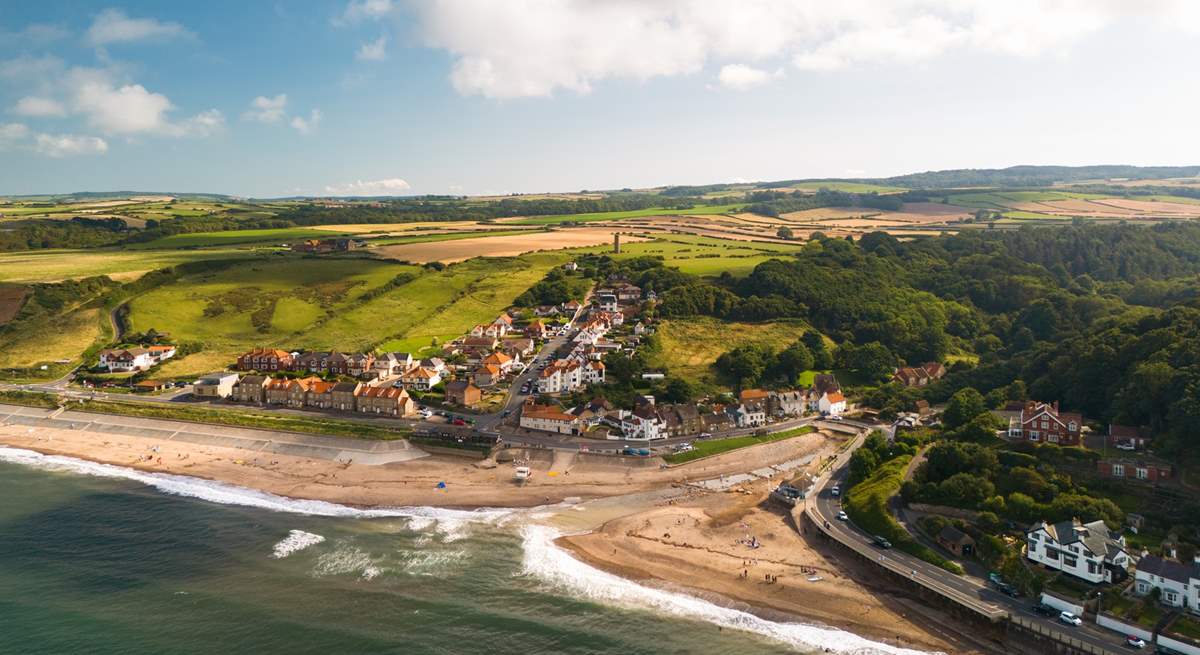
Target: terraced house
x=265 y=359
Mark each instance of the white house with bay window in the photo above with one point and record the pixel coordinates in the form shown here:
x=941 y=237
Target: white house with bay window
x=1089 y=551
x=1178 y=583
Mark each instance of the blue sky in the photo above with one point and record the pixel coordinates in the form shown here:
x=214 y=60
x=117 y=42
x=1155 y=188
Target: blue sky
x=448 y=96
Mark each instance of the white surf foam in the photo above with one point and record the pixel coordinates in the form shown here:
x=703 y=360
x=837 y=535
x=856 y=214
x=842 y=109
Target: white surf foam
x=229 y=494
x=347 y=559
x=296 y=541
x=545 y=560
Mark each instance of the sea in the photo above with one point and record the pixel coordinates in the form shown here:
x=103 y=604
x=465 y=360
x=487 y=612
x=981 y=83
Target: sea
x=102 y=559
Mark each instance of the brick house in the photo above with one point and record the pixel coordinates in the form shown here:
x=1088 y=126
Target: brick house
x=385 y=400
x=910 y=376
x=319 y=394
x=345 y=394
x=251 y=389
x=1043 y=422
x=277 y=392
x=1128 y=437
x=265 y=359
x=1129 y=469
x=536 y=329
x=463 y=392
x=488 y=375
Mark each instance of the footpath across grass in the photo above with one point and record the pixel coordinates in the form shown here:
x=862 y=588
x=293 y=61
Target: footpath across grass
x=718 y=446
x=867 y=505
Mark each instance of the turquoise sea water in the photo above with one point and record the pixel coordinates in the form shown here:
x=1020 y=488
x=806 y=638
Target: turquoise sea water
x=98 y=559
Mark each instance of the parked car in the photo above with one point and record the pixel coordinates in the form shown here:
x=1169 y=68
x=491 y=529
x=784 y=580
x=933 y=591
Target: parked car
x=842 y=516
x=704 y=435
x=458 y=421
x=995 y=578
x=1126 y=445
x=1044 y=609
x=882 y=542
x=1069 y=618
x=1134 y=641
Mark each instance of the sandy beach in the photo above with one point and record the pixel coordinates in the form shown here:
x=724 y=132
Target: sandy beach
x=643 y=522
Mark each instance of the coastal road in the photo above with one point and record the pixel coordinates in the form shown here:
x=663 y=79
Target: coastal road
x=822 y=508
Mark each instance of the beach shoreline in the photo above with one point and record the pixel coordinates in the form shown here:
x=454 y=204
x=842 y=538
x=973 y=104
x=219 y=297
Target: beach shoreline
x=606 y=509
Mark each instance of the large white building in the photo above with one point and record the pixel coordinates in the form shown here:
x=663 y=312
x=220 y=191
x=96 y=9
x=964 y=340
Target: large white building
x=547 y=418
x=134 y=359
x=832 y=404
x=1178 y=583
x=1089 y=551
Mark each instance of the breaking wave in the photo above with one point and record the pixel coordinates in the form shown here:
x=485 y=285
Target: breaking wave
x=546 y=561
x=229 y=494
x=296 y=541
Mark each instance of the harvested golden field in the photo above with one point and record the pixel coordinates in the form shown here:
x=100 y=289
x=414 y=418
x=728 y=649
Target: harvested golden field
x=501 y=246
x=922 y=213
x=71 y=336
x=1154 y=208
x=405 y=228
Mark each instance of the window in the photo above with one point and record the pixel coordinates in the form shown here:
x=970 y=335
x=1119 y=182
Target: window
x=1118 y=470
x=1070 y=560
x=1143 y=587
x=1092 y=568
x=1142 y=473
x=1032 y=547
x=1045 y=424
x=1072 y=427
x=1171 y=597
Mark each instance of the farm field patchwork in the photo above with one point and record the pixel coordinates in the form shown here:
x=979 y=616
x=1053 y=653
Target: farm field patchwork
x=702 y=255
x=499 y=246
x=614 y=216
x=56 y=265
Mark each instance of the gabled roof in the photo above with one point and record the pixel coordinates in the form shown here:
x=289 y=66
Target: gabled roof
x=835 y=397
x=488 y=369
x=1094 y=536
x=1169 y=569
x=497 y=358
x=546 y=412
x=421 y=372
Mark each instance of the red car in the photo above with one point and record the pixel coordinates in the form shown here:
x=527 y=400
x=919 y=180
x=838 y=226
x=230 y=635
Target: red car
x=458 y=421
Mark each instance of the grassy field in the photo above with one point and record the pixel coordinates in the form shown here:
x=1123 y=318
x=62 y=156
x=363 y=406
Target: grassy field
x=428 y=238
x=690 y=346
x=848 y=187
x=230 y=237
x=701 y=255
x=66 y=339
x=329 y=303
x=867 y=505
x=56 y=265
x=718 y=446
x=613 y=216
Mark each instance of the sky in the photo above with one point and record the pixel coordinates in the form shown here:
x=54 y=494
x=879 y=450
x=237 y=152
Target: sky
x=399 y=97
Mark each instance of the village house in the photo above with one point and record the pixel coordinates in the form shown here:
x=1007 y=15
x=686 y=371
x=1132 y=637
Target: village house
x=593 y=373
x=787 y=403
x=536 y=329
x=717 y=421
x=911 y=376
x=1089 y=551
x=561 y=376
x=501 y=361
x=570 y=307
x=545 y=310
x=215 y=385
x=250 y=389
x=547 y=418
x=607 y=302
x=832 y=404
x=752 y=414
x=149 y=386
x=517 y=348
x=344 y=394
x=125 y=360
x=956 y=541
x=480 y=343
x=1128 y=437
x=680 y=420
x=1129 y=469
x=265 y=359
x=319 y=394
x=1178 y=583
x=463 y=392
x=488 y=375
x=390 y=364
x=420 y=378
x=434 y=364
x=643 y=423
x=277 y=392
x=385 y=400
x=1043 y=422
x=748 y=395
x=593 y=412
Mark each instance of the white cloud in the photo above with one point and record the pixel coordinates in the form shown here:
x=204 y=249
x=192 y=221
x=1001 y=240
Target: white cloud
x=114 y=26
x=30 y=68
x=742 y=77
x=267 y=110
x=307 y=125
x=203 y=124
x=41 y=107
x=358 y=11
x=373 y=50
x=36 y=33
x=128 y=109
x=387 y=187
x=12 y=132
x=69 y=145
x=573 y=44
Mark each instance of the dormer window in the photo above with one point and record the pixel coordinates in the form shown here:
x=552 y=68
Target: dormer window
x=1072 y=427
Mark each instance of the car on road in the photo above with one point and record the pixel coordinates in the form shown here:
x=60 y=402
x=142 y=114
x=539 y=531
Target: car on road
x=882 y=542
x=842 y=516
x=835 y=491
x=458 y=421
x=426 y=413
x=1069 y=618
x=1008 y=590
x=1134 y=641
x=505 y=413
x=704 y=435
x=1043 y=609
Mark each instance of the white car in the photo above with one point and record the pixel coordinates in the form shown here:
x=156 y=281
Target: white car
x=1070 y=619
x=842 y=516
x=1126 y=445
x=1134 y=641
